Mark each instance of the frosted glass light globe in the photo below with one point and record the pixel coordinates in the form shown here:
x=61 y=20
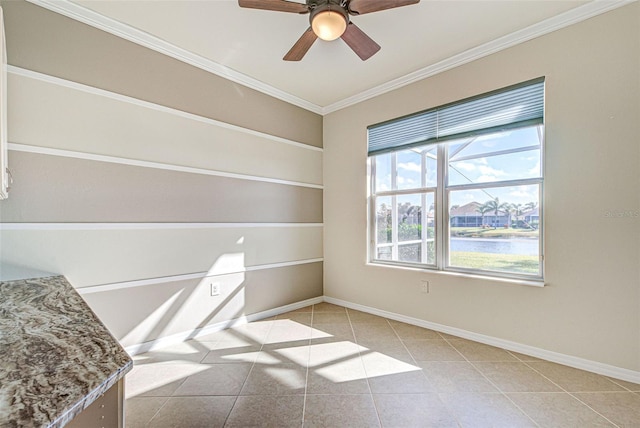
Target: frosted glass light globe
x=329 y=25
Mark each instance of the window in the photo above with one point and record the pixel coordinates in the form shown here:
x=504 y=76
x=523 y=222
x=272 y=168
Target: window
x=459 y=187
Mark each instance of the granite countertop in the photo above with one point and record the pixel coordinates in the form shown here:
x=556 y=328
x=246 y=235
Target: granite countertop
x=56 y=356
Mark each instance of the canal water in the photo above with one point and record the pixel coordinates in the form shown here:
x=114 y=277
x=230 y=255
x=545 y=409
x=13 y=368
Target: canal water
x=527 y=247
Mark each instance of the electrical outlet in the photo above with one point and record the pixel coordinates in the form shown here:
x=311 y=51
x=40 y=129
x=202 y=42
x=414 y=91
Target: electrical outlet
x=215 y=288
x=424 y=286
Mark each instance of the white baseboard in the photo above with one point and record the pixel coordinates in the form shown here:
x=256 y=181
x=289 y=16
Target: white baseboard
x=212 y=328
x=567 y=360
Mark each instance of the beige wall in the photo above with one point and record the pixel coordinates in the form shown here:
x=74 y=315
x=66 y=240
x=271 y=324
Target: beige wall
x=143 y=179
x=590 y=307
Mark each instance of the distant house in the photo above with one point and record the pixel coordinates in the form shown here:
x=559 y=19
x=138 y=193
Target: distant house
x=468 y=216
x=531 y=218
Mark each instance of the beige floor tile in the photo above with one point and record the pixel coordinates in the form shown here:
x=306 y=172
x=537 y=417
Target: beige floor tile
x=474 y=351
x=228 y=353
x=357 y=317
x=255 y=332
x=621 y=408
x=557 y=409
x=281 y=379
x=418 y=377
x=193 y=412
x=299 y=317
x=390 y=375
x=267 y=411
x=574 y=380
x=408 y=331
x=373 y=331
x=334 y=411
x=391 y=348
x=330 y=318
x=140 y=410
x=523 y=357
x=479 y=410
x=448 y=336
x=333 y=352
x=217 y=379
x=288 y=331
x=285 y=353
x=327 y=307
x=432 y=350
x=455 y=376
x=409 y=382
x=189 y=351
x=515 y=377
x=230 y=338
x=336 y=368
x=340 y=377
x=627 y=385
x=159 y=380
x=330 y=332
x=413 y=410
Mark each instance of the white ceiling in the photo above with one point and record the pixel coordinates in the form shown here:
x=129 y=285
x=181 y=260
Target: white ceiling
x=247 y=45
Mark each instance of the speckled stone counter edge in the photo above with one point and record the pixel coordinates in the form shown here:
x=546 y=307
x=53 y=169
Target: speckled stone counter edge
x=48 y=313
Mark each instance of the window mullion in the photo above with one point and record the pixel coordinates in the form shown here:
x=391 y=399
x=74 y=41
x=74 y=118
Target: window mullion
x=441 y=251
x=394 y=205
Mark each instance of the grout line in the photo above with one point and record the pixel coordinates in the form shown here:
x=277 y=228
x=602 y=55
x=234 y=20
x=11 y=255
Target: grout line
x=571 y=394
x=490 y=381
x=364 y=368
x=306 y=379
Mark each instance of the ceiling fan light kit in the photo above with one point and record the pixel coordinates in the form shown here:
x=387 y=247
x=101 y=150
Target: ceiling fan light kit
x=329 y=21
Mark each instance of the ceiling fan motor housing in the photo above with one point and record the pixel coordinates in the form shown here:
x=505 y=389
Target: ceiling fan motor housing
x=319 y=6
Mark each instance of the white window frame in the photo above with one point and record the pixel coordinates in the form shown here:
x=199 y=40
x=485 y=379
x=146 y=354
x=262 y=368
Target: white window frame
x=441 y=212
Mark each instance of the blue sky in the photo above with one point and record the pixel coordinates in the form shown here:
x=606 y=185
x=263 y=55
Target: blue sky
x=479 y=162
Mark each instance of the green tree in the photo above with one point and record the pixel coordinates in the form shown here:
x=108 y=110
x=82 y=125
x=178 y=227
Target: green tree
x=495 y=206
x=516 y=210
x=483 y=209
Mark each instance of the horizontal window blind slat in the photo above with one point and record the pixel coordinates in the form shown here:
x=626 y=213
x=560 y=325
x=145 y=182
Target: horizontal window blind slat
x=520 y=105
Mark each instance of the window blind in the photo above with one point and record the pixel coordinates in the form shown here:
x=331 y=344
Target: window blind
x=512 y=107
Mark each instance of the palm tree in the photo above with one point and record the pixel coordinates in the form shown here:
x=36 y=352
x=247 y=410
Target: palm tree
x=483 y=209
x=495 y=206
x=516 y=209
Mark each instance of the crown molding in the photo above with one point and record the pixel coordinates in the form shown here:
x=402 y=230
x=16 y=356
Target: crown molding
x=555 y=23
x=97 y=20
x=127 y=32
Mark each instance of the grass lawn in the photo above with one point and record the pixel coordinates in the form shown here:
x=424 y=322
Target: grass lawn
x=501 y=232
x=496 y=262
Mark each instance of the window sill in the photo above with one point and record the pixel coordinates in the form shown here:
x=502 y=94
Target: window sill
x=464 y=275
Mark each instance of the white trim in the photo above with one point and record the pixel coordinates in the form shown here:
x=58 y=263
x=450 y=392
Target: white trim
x=147 y=226
x=152 y=106
x=186 y=277
x=174 y=339
x=555 y=23
x=156 y=165
x=97 y=20
x=556 y=357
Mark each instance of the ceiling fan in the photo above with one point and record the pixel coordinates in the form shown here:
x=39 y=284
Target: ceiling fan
x=329 y=20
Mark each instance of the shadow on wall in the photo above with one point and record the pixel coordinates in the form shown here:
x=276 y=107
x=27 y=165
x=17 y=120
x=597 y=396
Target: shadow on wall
x=140 y=314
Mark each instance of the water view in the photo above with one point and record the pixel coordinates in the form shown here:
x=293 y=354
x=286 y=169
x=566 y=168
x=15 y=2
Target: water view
x=527 y=247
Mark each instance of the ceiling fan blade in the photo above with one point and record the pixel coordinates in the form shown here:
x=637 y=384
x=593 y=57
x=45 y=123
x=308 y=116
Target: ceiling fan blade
x=361 y=44
x=360 y=7
x=277 y=5
x=301 y=47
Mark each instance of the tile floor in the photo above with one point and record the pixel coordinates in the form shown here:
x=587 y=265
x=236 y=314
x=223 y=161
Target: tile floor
x=327 y=366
